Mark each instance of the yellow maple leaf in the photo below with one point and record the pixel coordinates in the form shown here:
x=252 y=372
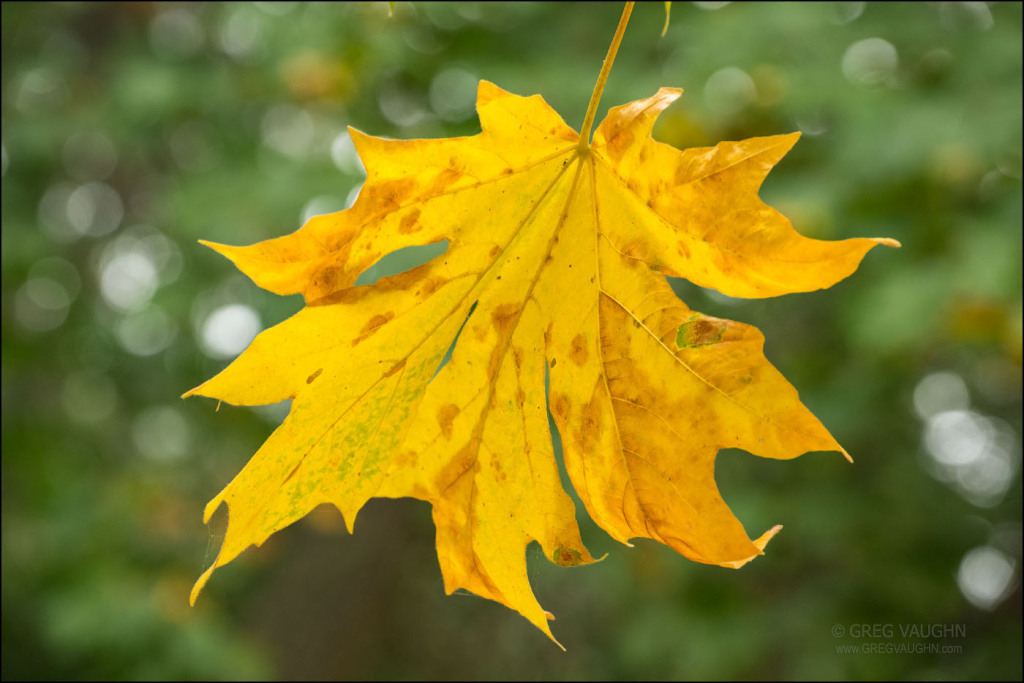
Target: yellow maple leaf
x=556 y=262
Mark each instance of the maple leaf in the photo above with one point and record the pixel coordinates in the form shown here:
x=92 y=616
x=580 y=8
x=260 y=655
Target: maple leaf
x=556 y=262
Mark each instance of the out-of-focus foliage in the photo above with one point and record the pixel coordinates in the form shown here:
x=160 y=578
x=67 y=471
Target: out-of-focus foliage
x=131 y=130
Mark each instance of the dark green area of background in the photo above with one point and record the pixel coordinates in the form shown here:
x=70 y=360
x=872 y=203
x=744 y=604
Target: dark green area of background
x=222 y=119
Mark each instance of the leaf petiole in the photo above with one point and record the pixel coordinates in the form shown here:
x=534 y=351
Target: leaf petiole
x=602 y=78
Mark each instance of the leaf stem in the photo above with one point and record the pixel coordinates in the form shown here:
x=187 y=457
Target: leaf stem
x=602 y=78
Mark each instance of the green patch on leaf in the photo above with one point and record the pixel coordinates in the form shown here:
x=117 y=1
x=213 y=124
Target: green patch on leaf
x=701 y=331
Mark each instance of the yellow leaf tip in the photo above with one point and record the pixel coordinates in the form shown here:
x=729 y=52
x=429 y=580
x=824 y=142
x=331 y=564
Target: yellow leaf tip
x=194 y=391
x=200 y=582
x=759 y=544
x=789 y=140
x=486 y=92
x=545 y=629
x=767 y=536
x=210 y=508
x=888 y=242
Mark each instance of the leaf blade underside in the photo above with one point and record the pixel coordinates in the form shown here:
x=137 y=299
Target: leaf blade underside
x=561 y=258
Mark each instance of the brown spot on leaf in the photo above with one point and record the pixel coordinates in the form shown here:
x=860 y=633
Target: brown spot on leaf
x=429 y=286
x=567 y=557
x=372 y=326
x=385 y=196
x=443 y=181
x=589 y=424
x=309 y=380
x=502 y=318
x=621 y=141
x=409 y=222
x=682 y=249
x=559 y=406
x=398 y=366
x=586 y=435
x=461 y=464
x=445 y=416
x=634 y=250
x=326 y=279
x=552 y=363
x=578 y=351
x=495 y=250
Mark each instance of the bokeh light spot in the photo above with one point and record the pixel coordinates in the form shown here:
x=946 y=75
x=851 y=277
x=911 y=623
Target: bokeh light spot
x=845 y=12
x=400 y=106
x=61 y=270
x=128 y=280
x=939 y=392
x=229 y=329
x=287 y=130
x=146 y=332
x=869 y=62
x=977 y=455
x=95 y=209
x=175 y=34
x=956 y=437
x=161 y=433
x=729 y=89
x=966 y=17
x=453 y=94
x=41 y=304
x=985 y=577
x=241 y=36
x=40 y=89
x=53 y=214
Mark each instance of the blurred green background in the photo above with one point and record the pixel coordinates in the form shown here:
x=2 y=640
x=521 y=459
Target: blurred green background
x=130 y=130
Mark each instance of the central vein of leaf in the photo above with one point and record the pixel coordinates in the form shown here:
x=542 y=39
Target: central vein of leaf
x=507 y=342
